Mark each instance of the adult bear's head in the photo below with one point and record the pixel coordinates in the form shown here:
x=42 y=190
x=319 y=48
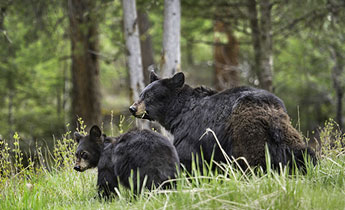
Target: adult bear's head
x=158 y=98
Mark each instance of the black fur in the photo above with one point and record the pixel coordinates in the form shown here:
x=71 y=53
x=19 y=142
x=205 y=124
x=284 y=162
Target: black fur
x=187 y=112
x=145 y=152
x=89 y=149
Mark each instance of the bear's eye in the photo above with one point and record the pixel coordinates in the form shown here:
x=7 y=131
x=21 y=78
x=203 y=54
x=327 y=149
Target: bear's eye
x=84 y=155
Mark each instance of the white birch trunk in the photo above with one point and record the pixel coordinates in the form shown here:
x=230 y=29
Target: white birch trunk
x=133 y=48
x=134 y=63
x=171 y=57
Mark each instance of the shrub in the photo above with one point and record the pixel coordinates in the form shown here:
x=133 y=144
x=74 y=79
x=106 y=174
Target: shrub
x=332 y=140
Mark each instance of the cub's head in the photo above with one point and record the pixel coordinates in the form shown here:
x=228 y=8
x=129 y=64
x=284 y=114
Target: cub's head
x=89 y=149
x=156 y=97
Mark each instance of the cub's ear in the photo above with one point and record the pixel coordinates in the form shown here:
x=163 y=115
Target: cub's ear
x=177 y=80
x=77 y=137
x=95 y=131
x=153 y=76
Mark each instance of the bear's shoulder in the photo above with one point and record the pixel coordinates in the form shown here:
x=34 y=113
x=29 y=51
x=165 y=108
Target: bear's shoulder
x=204 y=91
x=140 y=135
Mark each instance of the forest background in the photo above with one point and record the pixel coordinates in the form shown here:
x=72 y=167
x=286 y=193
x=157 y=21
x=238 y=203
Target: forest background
x=60 y=60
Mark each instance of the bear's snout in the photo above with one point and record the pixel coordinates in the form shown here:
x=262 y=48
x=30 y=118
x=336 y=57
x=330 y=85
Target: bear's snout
x=133 y=109
x=77 y=168
x=138 y=109
x=82 y=165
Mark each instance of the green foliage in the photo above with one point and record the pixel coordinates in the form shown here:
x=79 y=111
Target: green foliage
x=64 y=152
x=31 y=70
x=5 y=161
x=306 y=90
x=11 y=161
x=122 y=119
x=332 y=140
x=35 y=63
x=61 y=187
x=18 y=155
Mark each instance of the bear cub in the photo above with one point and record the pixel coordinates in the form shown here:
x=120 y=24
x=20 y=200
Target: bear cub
x=138 y=154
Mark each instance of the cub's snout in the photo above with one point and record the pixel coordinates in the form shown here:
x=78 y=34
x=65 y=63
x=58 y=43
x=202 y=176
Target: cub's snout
x=77 y=168
x=81 y=165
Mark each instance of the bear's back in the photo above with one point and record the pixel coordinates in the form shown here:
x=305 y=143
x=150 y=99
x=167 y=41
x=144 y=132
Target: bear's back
x=244 y=94
x=150 y=152
x=134 y=142
x=215 y=109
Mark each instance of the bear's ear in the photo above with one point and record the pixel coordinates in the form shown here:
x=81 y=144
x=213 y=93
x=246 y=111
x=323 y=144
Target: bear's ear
x=95 y=131
x=153 y=76
x=177 y=80
x=77 y=137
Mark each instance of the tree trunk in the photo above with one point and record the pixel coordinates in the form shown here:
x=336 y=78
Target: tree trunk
x=3 y=33
x=262 y=42
x=225 y=58
x=2 y=18
x=133 y=53
x=171 y=57
x=338 y=83
x=145 y=44
x=11 y=94
x=266 y=67
x=85 y=67
x=65 y=90
x=58 y=99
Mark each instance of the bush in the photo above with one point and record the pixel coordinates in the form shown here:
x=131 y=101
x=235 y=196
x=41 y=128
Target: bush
x=332 y=140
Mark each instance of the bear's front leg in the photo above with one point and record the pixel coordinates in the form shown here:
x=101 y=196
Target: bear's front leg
x=106 y=182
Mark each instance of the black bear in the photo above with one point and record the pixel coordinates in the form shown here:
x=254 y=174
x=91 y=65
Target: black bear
x=138 y=152
x=244 y=119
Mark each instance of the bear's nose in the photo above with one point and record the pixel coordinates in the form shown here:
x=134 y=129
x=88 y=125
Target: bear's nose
x=77 y=168
x=132 y=109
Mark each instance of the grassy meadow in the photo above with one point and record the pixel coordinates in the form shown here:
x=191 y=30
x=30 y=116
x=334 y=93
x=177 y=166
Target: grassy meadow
x=55 y=185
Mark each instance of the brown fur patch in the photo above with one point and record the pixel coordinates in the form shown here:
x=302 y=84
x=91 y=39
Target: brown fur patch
x=250 y=127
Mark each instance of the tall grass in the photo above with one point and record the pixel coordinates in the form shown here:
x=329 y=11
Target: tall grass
x=60 y=187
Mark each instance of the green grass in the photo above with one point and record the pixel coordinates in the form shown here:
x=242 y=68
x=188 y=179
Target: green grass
x=60 y=187
x=321 y=188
